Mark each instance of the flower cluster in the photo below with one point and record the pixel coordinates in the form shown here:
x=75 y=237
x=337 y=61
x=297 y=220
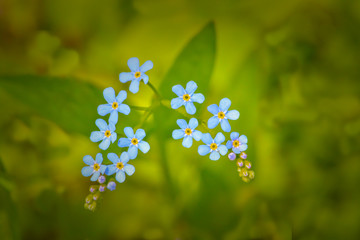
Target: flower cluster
x=118 y=165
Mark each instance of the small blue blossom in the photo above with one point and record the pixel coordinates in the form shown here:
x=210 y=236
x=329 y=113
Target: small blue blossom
x=221 y=115
x=137 y=73
x=95 y=168
x=114 y=105
x=213 y=146
x=120 y=166
x=186 y=97
x=106 y=134
x=187 y=132
x=237 y=143
x=134 y=142
x=111 y=185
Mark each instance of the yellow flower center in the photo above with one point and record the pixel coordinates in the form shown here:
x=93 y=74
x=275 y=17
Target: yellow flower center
x=186 y=97
x=221 y=115
x=188 y=131
x=137 y=74
x=236 y=143
x=107 y=133
x=96 y=167
x=120 y=165
x=134 y=141
x=213 y=146
x=115 y=105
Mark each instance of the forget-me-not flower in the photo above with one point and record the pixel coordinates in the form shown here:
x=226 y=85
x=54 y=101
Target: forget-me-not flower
x=137 y=73
x=114 y=104
x=237 y=143
x=186 y=97
x=187 y=131
x=134 y=142
x=95 y=168
x=106 y=134
x=222 y=114
x=213 y=146
x=120 y=166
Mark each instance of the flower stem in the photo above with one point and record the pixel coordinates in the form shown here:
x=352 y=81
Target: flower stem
x=139 y=108
x=154 y=90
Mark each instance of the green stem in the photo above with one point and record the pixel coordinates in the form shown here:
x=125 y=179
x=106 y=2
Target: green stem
x=154 y=90
x=139 y=108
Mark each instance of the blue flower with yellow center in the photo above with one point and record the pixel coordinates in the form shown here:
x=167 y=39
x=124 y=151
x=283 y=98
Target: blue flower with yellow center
x=137 y=73
x=187 y=132
x=134 y=142
x=237 y=143
x=120 y=166
x=213 y=146
x=114 y=105
x=95 y=168
x=186 y=97
x=106 y=134
x=222 y=115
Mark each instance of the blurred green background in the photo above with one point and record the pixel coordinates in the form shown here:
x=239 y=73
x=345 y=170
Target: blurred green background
x=290 y=67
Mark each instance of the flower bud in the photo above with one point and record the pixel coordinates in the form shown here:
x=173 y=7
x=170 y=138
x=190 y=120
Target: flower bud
x=247 y=164
x=93 y=188
x=88 y=198
x=245 y=179
x=102 y=188
x=251 y=174
x=92 y=206
x=101 y=179
x=96 y=196
x=232 y=156
x=240 y=163
x=111 y=185
x=243 y=155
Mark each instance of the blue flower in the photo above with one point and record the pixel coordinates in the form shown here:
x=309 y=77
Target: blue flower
x=106 y=134
x=95 y=168
x=114 y=105
x=237 y=143
x=120 y=166
x=221 y=115
x=186 y=97
x=213 y=146
x=187 y=132
x=137 y=73
x=134 y=142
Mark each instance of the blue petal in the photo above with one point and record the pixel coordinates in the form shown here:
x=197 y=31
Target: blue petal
x=243 y=139
x=190 y=108
x=109 y=95
x=121 y=96
x=104 y=144
x=145 y=78
x=187 y=142
x=198 y=97
x=144 y=146
x=133 y=64
x=214 y=155
x=213 y=122
x=96 y=136
x=113 y=137
x=120 y=176
x=134 y=86
x=222 y=149
x=197 y=135
x=133 y=151
x=193 y=123
x=88 y=160
x=113 y=117
x=236 y=150
x=191 y=87
x=178 y=90
x=178 y=133
x=113 y=158
x=146 y=66
x=104 y=109
x=125 y=109
x=101 y=124
x=111 y=127
x=124 y=157
x=129 y=132
x=124 y=142
x=126 y=76
x=219 y=138
x=225 y=125
x=95 y=176
x=182 y=123
x=203 y=150
x=233 y=114
x=103 y=169
x=87 y=171
x=229 y=144
x=214 y=109
x=176 y=103
x=206 y=138
x=129 y=169
x=140 y=134
x=234 y=135
x=111 y=170
x=99 y=158
x=243 y=147
x=224 y=105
